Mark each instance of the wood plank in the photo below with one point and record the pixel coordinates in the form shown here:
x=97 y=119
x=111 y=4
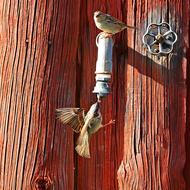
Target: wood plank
x=38 y=75
x=151 y=158
x=100 y=172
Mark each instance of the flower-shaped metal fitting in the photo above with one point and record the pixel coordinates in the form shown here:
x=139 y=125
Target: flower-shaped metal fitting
x=159 y=38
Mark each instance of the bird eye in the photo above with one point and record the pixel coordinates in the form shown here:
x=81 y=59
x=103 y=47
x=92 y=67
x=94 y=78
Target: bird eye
x=97 y=15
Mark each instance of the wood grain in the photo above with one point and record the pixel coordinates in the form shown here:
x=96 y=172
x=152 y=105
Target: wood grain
x=37 y=75
x=48 y=57
x=155 y=118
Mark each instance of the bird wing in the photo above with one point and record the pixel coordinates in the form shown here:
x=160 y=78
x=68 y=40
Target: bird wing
x=71 y=116
x=113 y=20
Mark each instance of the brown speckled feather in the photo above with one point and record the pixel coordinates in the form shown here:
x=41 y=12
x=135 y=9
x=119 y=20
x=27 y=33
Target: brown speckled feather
x=113 y=20
x=71 y=116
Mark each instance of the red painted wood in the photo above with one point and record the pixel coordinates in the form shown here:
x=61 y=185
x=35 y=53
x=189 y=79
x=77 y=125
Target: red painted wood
x=37 y=75
x=154 y=146
x=48 y=57
x=187 y=135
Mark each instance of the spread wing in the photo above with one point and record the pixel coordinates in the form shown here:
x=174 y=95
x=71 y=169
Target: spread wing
x=71 y=116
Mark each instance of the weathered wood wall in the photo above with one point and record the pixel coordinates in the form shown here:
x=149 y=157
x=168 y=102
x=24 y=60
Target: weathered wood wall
x=155 y=118
x=48 y=57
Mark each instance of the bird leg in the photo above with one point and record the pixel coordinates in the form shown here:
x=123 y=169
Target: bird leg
x=111 y=122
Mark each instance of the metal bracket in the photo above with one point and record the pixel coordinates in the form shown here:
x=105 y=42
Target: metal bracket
x=159 y=39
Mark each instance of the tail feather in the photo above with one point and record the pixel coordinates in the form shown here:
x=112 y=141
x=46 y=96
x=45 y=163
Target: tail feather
x=131 y=27
x=83 y=146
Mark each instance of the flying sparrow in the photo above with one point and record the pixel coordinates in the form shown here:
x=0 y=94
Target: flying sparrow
x=86 y=125
x=108 y=24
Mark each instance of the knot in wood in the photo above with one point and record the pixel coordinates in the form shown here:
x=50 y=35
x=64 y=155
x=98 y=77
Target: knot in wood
x=43 y=183
x=49 y=42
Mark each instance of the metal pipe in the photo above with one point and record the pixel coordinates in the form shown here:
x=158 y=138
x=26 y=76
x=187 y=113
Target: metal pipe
x=103 y=65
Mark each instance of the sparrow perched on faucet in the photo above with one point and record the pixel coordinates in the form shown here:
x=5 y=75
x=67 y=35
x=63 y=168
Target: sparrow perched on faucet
x=108 y=24
x=85 y=124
